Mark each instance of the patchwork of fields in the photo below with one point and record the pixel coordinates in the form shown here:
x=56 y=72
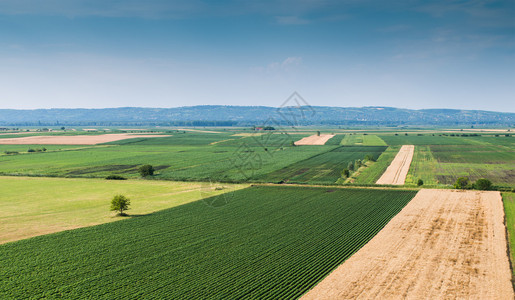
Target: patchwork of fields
x=267 y=242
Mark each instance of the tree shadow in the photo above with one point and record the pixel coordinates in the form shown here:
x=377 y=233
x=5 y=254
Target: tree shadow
x=130 y=216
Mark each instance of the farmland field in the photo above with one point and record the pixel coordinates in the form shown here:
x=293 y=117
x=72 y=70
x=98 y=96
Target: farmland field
x=267 y=242
x=323 y=168
x=363 y=140
x=35 y=206
x=443 y=164
x=188 y=157
x=372 y=173
x=444 y=244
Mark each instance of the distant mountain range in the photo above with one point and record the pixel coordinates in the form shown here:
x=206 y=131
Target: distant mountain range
x=219 y=115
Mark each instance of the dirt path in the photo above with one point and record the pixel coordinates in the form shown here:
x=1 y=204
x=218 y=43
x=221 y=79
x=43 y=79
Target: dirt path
x=314 y=139
x=73 y=139
x=396 y=172
x=444 y=244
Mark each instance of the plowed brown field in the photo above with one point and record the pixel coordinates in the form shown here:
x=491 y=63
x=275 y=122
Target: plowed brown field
x=444 y=244
x=73 y=139
x=314 y=140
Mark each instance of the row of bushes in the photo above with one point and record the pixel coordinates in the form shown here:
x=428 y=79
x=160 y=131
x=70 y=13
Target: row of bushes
x=482 y=184
x=37 y=150
x=30 y=150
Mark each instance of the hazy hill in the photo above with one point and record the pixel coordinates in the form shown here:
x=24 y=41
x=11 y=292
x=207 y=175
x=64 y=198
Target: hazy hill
x=211 y=115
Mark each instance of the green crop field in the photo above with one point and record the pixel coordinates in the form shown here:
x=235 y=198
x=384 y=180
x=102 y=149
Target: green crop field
x=443 y=164
x=265 y=243
x=203 y=157
x=362 y=140
x=324 y=168
x=31 y=206
x=335 y=140
x=509 y=210
x=426 y=139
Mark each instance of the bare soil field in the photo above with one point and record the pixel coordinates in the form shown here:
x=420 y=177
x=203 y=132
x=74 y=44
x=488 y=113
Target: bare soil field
x=396 y=172
x=73 y=139
x=444 y=244
x=314 y=140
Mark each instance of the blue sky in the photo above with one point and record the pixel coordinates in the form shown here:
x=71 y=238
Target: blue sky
x=157 y=53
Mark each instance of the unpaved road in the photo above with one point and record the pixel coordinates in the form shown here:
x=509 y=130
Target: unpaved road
x=314 y=140
x=444 y=244
x=396 y=172
x=73 y=139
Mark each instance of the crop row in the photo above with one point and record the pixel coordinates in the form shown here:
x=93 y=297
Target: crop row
x=267 y=242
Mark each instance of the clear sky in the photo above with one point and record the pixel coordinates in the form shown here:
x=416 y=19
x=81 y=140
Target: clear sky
x=170 y=53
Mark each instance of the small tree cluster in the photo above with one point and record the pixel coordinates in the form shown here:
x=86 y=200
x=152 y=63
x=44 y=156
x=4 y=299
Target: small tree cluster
x=369 y=157
x=480 y=184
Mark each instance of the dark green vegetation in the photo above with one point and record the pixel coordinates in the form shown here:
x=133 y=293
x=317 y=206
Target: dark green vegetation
x=146 y=170
x=266 y=243
x=335 y=140
x=324 y=168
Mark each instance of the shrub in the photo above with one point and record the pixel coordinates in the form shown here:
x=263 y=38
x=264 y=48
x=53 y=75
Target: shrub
x=345 y=173
x=31 y=150
x=358 y=163
x=482 y=184
x=115 y=177
x=146 y=170
x=420 y=182
x=369 y=157
x=11 y=152
x=350 y=166
x=461 y=183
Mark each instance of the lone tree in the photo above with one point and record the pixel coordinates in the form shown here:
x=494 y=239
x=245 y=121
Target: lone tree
x=318 y=133
x=120 y=203
x=346 y=173
x=420 y=182
x=146 y=170
x=461 y=183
